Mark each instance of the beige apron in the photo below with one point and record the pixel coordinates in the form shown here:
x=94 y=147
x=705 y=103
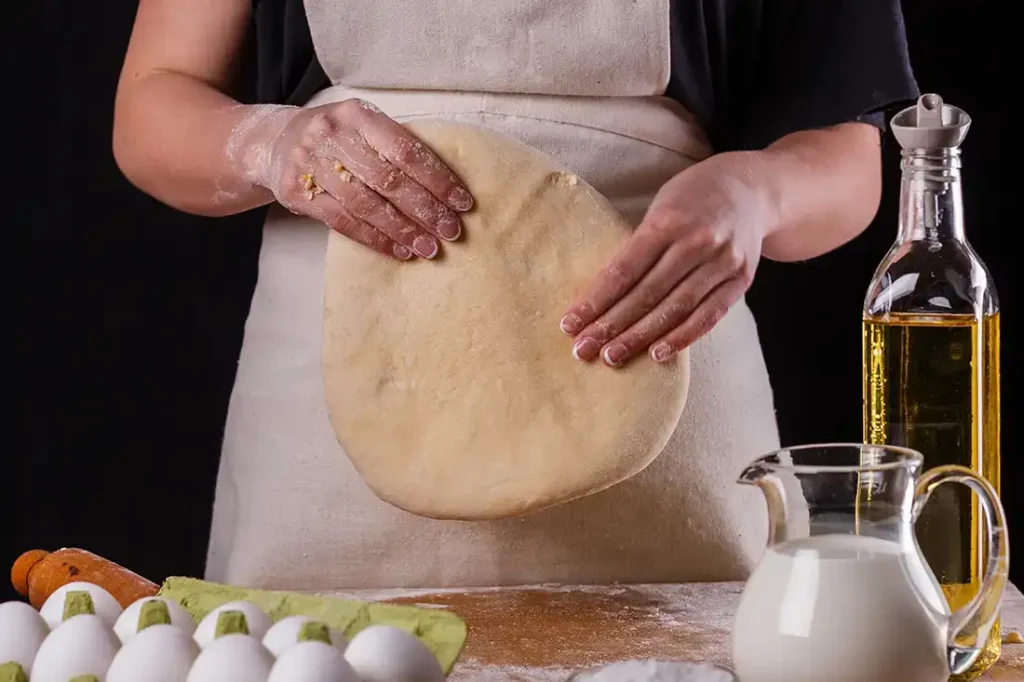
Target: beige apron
x=582 y=81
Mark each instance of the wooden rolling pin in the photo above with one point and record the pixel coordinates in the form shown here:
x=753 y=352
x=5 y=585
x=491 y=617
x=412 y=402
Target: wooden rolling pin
x=37 y=574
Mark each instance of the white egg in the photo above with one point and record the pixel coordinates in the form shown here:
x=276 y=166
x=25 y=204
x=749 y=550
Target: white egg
x=285 y=633
x=127 y=626
x=313 y=662
x=160 y=653
x=257 y=621
x=83 y=645
x=382 y=653
x=106 y=606
x=22 y=631
x=232 y=658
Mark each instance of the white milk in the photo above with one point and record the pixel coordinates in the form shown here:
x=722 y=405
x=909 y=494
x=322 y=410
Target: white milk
x=841 y=608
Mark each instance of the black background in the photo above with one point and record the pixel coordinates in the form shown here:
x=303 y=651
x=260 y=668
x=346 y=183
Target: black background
x=129 y=315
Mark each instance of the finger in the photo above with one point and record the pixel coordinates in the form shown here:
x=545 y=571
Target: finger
x=407 y=153
x=641 y=251
x=667 y=315
x=644 y=297
x=407 y=195
x=701 y=321
x=327 y=210
x=370 y=207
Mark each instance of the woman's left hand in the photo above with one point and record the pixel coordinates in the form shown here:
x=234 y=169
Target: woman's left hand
x=691 y=258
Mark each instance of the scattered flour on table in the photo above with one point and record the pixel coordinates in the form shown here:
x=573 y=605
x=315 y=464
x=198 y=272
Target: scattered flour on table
x=656 y=671
x=412 y=592
x=628 y=671
x=471 y=672
x=544 y=633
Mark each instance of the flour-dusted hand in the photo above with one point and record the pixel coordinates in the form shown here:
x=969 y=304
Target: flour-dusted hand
x=690 y=259
x=360 y=172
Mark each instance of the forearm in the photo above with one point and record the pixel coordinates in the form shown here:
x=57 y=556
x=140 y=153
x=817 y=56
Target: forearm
x=824 y=187
x=188 y=145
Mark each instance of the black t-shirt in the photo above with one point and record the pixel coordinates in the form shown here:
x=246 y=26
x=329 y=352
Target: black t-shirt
x=751 y=71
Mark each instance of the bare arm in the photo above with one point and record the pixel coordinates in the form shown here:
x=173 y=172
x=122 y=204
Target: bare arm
x=825 y=186
x=177 y=131
x=696 y=251
x=181 y=137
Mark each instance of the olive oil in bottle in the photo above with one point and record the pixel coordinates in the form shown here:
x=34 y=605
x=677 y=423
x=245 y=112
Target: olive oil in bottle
x=931 y=352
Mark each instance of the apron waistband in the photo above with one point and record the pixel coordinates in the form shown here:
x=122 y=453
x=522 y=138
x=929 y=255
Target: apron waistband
x=658 y=121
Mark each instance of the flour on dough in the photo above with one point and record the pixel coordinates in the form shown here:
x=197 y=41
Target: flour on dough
x=449 y=383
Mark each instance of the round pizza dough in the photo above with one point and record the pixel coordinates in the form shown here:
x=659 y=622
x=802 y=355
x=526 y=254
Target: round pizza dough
x=449 y=383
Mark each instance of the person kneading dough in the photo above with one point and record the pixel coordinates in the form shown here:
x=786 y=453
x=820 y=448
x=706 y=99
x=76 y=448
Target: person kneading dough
x=499 y=333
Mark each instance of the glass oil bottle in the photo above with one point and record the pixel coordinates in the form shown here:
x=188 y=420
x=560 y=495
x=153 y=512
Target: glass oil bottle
x=931 y=350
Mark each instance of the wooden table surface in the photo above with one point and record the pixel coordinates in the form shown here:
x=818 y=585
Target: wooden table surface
x=547 y=633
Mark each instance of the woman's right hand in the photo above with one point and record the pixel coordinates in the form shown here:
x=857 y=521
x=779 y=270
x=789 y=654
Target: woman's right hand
x=360 y=172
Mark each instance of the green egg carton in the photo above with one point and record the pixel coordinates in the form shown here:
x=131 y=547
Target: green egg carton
x=443 y=632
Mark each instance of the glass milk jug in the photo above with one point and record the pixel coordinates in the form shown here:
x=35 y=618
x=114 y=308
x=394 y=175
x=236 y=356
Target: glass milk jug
x=842 y=592
x=931 y=348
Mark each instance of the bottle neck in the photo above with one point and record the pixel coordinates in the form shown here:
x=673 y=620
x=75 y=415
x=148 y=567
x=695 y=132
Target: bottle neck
x=931 y=200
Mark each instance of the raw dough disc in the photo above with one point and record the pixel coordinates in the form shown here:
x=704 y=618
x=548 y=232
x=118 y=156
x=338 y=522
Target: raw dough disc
x=449 y=383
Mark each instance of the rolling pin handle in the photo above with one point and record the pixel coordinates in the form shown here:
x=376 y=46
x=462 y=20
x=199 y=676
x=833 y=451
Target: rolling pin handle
x=23 y=567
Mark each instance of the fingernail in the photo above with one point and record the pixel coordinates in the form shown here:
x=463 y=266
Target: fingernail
x=661 y=352
x=460 y=199
x=570 y=324
x=449 y=227
x=401 y=252
x=615 y=354
x=425 y=247
x=585 y=349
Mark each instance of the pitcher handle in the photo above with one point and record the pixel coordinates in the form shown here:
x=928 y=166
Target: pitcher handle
x=975 y=620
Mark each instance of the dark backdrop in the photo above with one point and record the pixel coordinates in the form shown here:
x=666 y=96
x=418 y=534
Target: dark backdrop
x=129 y=315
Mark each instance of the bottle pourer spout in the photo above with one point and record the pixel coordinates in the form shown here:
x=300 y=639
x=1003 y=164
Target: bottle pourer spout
x=931 y=124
